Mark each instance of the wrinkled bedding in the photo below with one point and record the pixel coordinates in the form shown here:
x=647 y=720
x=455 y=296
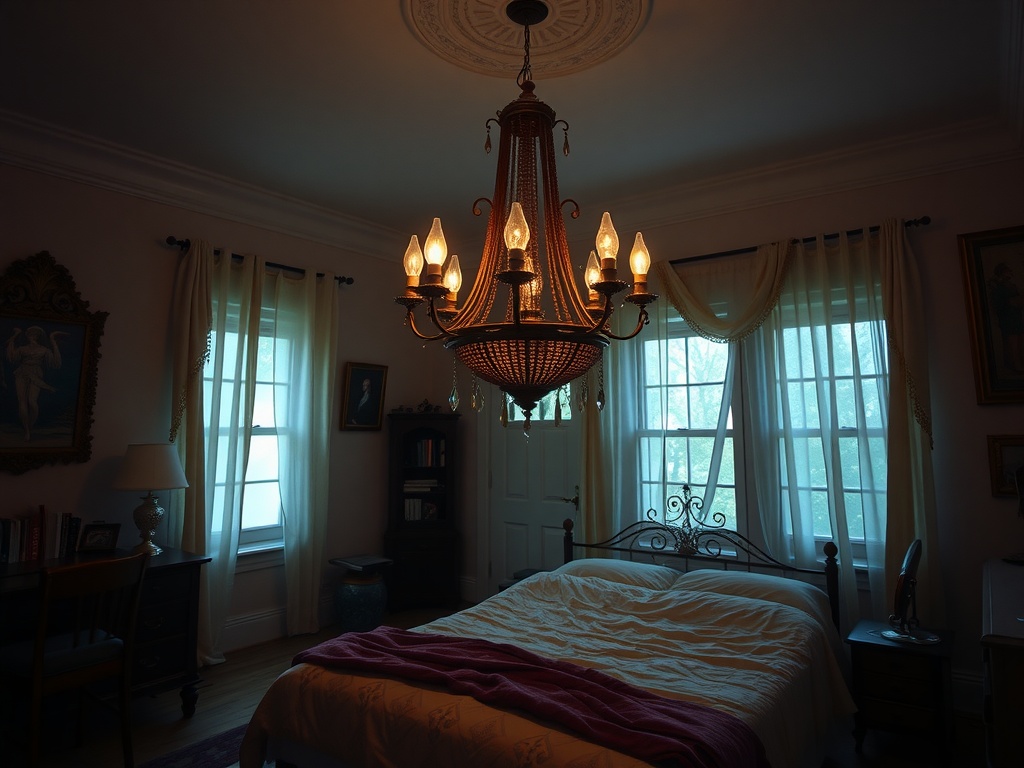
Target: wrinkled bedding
x=757 y=647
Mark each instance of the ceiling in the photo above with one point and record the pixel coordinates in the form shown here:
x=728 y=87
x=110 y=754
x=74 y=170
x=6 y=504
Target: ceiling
x=345 y=110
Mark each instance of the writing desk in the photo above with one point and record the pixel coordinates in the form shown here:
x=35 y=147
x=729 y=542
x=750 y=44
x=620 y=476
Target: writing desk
x=167 y=632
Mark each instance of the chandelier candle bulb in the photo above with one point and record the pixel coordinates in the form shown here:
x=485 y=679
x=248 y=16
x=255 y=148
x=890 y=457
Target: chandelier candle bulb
x=592 y=276
x=453 y=279
x=435 y=251
x=639 y=264
x=517 y=237
x=607 y=246
x=413 y=262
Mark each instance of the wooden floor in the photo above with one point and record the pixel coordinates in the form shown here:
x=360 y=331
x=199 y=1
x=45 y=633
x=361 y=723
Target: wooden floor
x=230 y=692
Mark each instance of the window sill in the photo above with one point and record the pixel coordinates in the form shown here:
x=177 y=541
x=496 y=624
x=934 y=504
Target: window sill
x=256 y=557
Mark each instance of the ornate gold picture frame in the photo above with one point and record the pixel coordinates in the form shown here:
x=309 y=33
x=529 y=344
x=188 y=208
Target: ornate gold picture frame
x=51 y=344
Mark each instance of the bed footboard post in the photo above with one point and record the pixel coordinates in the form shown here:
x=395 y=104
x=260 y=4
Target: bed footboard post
x=567 y=540
x=832 y=579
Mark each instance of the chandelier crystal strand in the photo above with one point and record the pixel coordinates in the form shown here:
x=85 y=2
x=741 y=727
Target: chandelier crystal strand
x=453 y=398
x=543 y=334
x=600 y=386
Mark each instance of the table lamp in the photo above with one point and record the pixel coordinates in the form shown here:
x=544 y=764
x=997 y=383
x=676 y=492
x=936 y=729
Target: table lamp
x=150 y=467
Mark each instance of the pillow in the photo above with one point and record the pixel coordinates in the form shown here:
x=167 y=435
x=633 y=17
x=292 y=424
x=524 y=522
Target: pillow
x=761 y=586
x=621 y=572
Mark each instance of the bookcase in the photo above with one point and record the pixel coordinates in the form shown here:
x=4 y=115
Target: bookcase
x=422 y=536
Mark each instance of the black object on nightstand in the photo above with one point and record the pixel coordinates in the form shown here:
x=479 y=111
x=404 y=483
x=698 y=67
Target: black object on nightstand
x=902 y=687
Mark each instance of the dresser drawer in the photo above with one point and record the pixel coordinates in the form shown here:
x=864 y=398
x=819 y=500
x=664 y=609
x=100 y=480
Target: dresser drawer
x=168 y=657
x=897 y=716
x=159 y=620
x=166 y=584
x=891 y=664
x=914 y=691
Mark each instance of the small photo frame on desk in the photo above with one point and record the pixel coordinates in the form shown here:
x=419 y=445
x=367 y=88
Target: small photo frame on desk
x=99 y=537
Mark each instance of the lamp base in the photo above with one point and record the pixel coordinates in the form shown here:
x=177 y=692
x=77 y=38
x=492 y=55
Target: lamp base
x=147 y=517
x=148 y=547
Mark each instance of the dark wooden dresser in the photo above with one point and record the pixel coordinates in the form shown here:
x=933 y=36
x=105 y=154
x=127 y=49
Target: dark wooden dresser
x=168 y=629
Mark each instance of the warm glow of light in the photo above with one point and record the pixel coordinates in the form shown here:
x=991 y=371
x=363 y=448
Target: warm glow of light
x=453 y=275
x=640 y=258
x=592 y=275
x=435 y=250
x=517 y=231
x=413 y=261
x=607 y=241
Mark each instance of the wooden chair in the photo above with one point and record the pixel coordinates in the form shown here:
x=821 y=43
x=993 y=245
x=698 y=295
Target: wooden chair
x=84 y=635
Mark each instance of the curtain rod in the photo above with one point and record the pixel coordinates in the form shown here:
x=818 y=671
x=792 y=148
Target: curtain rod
x=923 y=221
x=186 y=243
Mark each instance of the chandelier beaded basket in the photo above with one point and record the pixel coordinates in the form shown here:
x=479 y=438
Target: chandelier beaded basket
x=546 y=334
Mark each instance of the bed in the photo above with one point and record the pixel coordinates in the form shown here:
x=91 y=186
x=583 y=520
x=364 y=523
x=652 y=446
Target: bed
x=685 y=646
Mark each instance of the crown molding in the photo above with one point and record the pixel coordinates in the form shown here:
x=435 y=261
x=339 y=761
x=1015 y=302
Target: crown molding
x=46 y=148
x=965 y=145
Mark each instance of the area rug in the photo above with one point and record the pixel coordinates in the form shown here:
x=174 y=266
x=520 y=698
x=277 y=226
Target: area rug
x=220 y=751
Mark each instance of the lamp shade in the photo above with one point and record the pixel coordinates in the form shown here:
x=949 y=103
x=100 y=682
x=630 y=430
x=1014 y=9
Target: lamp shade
x=151 y=467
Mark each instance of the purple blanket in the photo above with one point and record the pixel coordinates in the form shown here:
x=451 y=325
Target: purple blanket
x=589 y=703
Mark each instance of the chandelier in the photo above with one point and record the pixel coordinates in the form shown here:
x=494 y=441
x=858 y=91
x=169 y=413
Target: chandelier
x=544 y=333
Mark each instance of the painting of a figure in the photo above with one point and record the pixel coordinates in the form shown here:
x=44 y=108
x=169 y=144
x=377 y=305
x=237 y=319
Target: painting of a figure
x=40 y=383
x=363 y=404
x=49 y=348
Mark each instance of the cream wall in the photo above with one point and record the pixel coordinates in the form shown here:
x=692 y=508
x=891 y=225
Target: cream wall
x=113 y=245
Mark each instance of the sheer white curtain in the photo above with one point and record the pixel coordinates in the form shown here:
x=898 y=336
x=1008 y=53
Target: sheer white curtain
x=817 y=434
x=213 y=423
x=309 y=308
x=723 y=301
x=815 y=319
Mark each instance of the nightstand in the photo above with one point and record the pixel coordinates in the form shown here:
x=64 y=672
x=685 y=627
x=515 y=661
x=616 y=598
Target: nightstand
x=901 y=687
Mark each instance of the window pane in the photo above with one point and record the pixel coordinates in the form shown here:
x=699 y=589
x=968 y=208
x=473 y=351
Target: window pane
x=262 y=459
x=262 y=505
x=545 y=410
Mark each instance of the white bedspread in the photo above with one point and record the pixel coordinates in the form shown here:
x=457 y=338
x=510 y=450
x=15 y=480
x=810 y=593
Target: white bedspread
x=759 y=647
x=772 y=664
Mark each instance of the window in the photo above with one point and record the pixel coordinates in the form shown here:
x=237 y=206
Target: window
x=682 y=400
x=855 y=380
x=261 y=523
x=828 y=393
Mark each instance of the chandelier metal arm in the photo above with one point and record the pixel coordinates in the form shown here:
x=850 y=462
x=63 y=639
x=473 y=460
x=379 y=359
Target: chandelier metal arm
x=642 y=320
x=410 y=318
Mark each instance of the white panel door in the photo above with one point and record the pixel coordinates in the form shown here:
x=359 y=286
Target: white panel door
x=533 y=481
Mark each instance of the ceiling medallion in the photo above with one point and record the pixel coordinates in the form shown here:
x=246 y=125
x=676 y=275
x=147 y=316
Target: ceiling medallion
x=479 y=36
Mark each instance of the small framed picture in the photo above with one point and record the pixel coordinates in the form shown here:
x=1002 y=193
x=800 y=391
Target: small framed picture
x=363 y=405
x=1005 y=463
x=98 y=537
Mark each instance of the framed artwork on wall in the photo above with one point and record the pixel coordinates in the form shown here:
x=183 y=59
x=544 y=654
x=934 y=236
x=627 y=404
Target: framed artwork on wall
x=993 y=266
x=363 y=402
x=1005 y=460
x=48 y=366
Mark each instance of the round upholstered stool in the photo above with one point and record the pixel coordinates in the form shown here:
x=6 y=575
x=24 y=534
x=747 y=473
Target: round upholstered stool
x=360 y=597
